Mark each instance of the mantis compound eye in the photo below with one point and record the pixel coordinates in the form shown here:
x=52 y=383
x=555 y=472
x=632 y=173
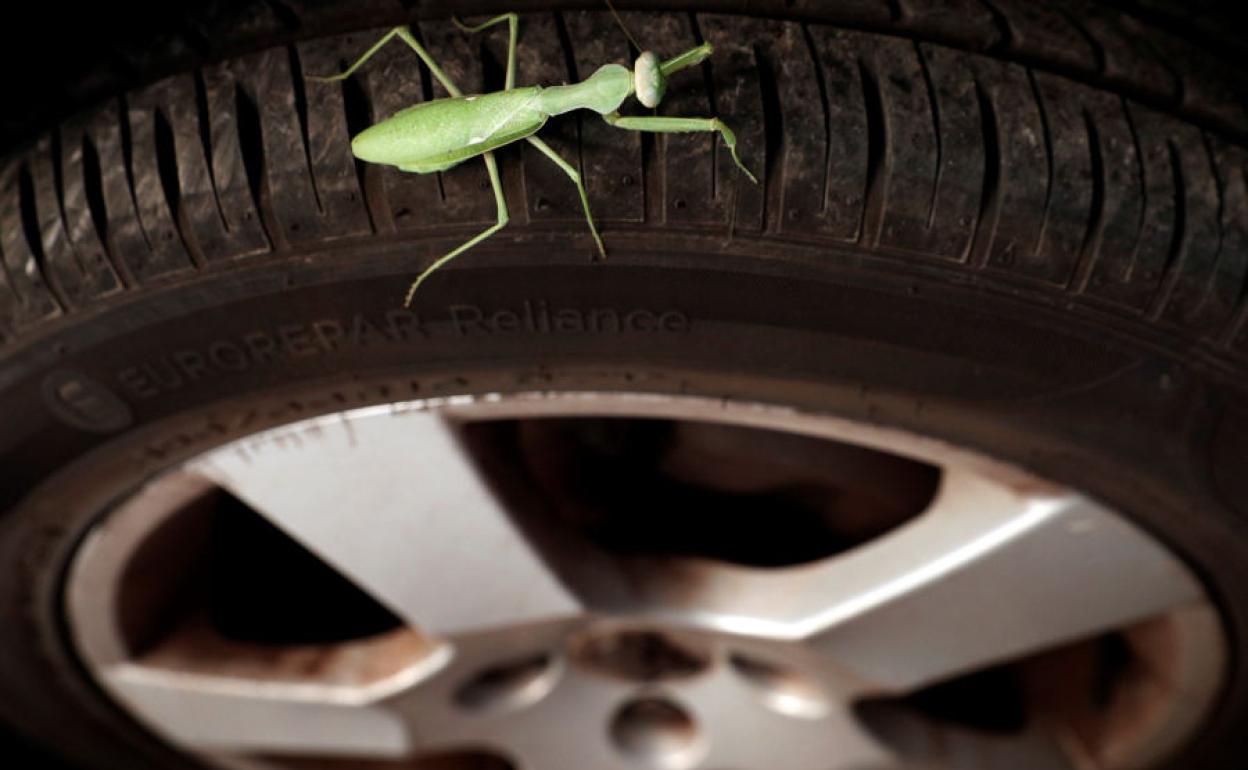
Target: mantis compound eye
x=648 y=80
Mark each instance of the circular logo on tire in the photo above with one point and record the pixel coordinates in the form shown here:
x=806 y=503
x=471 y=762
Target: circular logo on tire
x=83 y=403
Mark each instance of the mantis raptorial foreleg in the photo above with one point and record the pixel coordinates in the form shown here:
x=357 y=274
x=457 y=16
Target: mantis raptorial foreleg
x=503 y=217
x=404 y=34
x=575 y=176
x=513 y=33
x=663 y=125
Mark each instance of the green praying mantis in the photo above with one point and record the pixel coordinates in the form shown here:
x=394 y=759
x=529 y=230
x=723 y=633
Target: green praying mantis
x=434 y=136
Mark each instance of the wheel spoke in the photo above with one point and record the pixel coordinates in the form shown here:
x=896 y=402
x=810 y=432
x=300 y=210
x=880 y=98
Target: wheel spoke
x=987 y=574
x=247 y=716
x=406 y=516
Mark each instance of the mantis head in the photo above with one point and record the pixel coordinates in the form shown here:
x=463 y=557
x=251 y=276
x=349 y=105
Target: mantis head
x=650 y=74
x=649 y=82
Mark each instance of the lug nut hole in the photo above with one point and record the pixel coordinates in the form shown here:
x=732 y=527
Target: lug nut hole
x=658 y=733
x=782 y=689
x=510 y=685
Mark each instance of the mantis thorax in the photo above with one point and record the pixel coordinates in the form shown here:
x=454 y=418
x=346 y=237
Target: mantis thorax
x=603 y=92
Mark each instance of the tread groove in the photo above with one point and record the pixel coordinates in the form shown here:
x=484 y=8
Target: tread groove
x=34 y=238
x=569 y=66
x=93 y=188
x=708 y=83
x=1050 y=161
x=1141 y=175
x=127 y=159
x=58 y=196
x=565 y=45
x=877 y=157
x=1219 y=184
x=251 y=146
x=357 y=114
x=822 y=83
x=1174 y=257
x=773 y=136
x=934 y=100
x=58 y=176
x=167 y=171
x=989 y=202
x=427 y=95
x=1091 y=247
x=493 y=71
x=205 y=140
x=301 y=113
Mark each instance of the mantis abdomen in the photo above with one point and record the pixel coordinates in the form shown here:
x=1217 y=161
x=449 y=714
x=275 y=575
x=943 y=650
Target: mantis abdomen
x=436 y=135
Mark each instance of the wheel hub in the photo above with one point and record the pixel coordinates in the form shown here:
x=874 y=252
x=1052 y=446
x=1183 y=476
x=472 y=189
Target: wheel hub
x=645 y=656
x=672 y=689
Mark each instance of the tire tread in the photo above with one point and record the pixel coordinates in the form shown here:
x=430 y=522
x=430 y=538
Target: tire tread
x=1071 y=147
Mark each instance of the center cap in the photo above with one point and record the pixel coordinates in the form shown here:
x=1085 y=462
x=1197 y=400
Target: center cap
x=641 y=655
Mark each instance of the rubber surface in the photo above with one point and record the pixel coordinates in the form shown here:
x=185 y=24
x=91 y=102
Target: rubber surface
x=965 y=132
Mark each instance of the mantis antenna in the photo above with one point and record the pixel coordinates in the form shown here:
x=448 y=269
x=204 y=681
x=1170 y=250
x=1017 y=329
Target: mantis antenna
x=623 y=26
x=619 y=21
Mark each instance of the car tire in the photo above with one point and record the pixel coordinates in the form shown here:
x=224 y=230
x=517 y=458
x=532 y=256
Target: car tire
x=1019 y=228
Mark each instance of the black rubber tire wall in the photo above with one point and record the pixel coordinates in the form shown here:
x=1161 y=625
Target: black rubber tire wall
x=1053 y=189
x=1091 y=155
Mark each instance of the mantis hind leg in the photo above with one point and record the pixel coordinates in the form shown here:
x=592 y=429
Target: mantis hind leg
x=503 y=218
x=662 y=125
x=404 y=34
x=575 y=176
x=513 y=33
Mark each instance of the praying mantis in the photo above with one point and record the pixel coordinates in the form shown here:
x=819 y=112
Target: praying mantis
x=436 y=135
